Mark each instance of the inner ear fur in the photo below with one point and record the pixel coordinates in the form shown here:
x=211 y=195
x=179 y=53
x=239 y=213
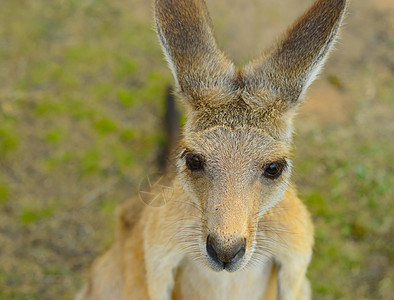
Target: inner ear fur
x=274 y=83
x=186 y=34
x=284 y=73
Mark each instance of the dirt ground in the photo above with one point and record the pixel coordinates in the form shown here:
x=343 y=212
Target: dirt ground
x=81 y=106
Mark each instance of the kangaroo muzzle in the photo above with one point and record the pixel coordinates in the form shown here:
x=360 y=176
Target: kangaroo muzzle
x=225 y=252
x=226 y=240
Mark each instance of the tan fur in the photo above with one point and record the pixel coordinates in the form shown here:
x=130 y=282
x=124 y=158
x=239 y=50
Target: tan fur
x=225 y=215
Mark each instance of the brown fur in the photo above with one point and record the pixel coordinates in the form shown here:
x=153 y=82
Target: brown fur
x=239 y=122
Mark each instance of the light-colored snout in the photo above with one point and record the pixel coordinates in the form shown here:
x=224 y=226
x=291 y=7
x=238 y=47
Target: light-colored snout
x=227 y=236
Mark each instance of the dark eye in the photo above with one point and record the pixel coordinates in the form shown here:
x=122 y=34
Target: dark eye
x=194 y=162
x=274 y=169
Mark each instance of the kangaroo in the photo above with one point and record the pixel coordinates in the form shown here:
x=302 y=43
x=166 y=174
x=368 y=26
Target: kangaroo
x=234 y=227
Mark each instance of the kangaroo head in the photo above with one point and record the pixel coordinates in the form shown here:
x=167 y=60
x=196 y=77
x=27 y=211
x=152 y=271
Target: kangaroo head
x=235 y=159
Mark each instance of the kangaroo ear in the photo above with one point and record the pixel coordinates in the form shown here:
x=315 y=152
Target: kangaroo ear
x=186 y=35
x=295 y=61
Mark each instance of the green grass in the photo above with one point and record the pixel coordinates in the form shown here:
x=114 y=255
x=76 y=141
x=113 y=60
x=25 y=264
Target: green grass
x=79 y=78
x=348 y=190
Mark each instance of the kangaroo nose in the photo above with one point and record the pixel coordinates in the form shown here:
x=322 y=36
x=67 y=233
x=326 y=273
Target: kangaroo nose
x=225 y=255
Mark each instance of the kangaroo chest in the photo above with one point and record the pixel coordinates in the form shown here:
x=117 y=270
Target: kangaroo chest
x=196 y=281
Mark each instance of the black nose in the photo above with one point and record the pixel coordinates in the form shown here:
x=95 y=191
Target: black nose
x=225 y=256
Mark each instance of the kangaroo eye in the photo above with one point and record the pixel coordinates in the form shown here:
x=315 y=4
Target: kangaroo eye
x=194 y=162
x=274 y=169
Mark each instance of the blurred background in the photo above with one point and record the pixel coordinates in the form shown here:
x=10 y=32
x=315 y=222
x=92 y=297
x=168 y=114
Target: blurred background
x=82 y=100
